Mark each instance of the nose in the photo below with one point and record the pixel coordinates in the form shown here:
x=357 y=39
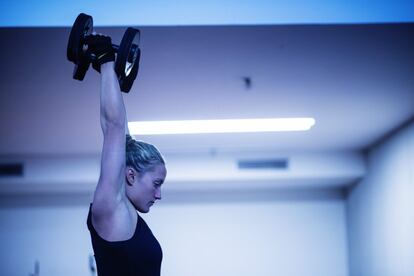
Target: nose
x=158 y=194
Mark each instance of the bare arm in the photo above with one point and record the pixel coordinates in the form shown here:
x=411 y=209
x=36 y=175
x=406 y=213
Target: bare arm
x=126 y=126
x=110 y=190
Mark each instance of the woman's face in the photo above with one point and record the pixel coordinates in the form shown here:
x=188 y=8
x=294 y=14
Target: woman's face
x=144 y=189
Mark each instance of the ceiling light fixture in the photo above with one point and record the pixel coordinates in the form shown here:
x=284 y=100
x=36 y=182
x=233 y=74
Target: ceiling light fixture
x=220 y=126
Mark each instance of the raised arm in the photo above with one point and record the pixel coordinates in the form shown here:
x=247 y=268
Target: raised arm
x=111 y=187
x=110 y=191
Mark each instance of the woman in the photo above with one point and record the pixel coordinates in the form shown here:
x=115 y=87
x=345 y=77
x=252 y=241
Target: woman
x=132 y=173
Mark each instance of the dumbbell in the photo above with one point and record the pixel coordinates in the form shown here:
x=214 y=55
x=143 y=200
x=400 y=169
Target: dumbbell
x=128 y=52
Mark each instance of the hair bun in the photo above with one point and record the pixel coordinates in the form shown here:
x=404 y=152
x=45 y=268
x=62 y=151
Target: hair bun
x=129 y=140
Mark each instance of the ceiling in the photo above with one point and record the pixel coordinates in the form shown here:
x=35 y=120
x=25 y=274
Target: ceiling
x=355 y=80
x=53 y=13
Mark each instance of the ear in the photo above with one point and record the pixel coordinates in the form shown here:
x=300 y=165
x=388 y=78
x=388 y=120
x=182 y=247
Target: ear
x=131 y=175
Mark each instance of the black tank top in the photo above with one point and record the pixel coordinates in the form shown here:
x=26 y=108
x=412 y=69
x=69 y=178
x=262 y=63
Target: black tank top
x=140 y=255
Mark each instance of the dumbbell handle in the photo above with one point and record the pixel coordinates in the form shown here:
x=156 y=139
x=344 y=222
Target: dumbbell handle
x=115 y=47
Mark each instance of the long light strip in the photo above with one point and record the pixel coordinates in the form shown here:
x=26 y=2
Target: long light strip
x=220 y=126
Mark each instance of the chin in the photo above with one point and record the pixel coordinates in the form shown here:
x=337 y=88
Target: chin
x=142 y=210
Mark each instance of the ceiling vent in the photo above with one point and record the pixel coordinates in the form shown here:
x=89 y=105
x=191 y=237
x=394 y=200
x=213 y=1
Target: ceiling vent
x=279 y=164
x=15 y=169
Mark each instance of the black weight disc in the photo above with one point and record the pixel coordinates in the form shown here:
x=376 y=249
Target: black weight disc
x=127 y=61
x=133 y=72
x=82 y=26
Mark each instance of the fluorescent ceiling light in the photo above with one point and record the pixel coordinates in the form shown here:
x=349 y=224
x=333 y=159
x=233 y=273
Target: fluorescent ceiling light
x=220 y=126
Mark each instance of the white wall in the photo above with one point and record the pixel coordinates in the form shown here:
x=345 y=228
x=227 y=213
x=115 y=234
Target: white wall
x=284 y=233
x=381 y=211
x=55 y=236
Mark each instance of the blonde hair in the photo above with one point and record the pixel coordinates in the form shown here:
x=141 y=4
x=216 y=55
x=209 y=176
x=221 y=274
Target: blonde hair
x=142 y=156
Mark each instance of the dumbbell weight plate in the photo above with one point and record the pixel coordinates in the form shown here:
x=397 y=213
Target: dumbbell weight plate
x=127 y=61
x=75 y=51
x=82 y=26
